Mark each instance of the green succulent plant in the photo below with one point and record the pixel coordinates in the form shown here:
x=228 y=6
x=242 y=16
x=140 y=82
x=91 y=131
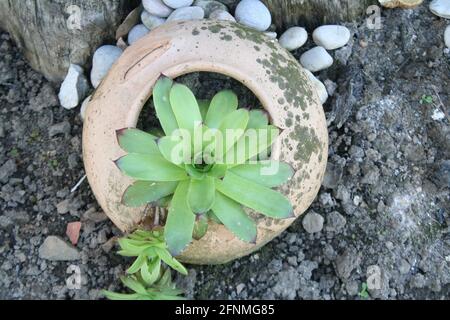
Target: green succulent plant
x=211 y=177
x=147 y=277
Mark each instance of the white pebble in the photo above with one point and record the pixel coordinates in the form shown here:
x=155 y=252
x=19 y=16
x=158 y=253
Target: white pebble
x=447 y=36
x=209 y=6
x=157 y=8
x=438 y=115
x=84 y=107
x=74 y=87
x=331 y=37
x=316 y=59
x=103 y=60
x=151 y=21
x=187 y=13
x=221 y=15
x=253 y=13
x=137 y=33
x=441 y=8
x=319 y=86
x=293 y=38
x=175 y=4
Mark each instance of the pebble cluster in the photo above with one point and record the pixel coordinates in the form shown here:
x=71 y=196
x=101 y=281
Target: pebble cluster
x=252 y=13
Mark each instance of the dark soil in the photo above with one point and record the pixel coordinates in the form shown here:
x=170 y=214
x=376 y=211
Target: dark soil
x=385 y=199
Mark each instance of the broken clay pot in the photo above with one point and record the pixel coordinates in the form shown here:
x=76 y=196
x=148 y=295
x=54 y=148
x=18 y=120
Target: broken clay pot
x=224 y=47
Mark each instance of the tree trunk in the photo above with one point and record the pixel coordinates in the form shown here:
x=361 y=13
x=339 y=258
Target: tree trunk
x=312 y=13
x=55 y=33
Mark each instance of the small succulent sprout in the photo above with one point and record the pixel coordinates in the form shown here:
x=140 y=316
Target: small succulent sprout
x=147 y=277
x=208 y=166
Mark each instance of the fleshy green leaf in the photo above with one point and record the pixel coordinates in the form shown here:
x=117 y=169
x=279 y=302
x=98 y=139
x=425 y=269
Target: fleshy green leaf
x=201 y=227
x=143 y=192
x=201 y=194
x=231 y=129
x=180 y=221
x=164 y=112
x=268 y=173
x=252 y=195
x=150 y=272
x=171 y=261
x=213 y=217
x=218 y=171
x=150 y=168
x=138 y=263
x=259 y=119
x=166 y=279
x=175 y=149
x=231 y=214
x=204 y=106
x=131 y=283
x=136 y=141
x=120 y=296
x=222 y=104
x=252 y=143
x=185 y=107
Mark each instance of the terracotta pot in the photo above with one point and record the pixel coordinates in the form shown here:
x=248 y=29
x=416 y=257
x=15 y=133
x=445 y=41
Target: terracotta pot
x=248 y=56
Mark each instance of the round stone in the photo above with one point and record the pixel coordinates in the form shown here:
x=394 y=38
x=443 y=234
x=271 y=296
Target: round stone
x=331 y=36
x=254 y=14
x=316 y=59
x=151 y=21
x=157 y=8
x=209 y=6
x=187 y=13
x=221 y=15
x=175 y=4
x=313 y=222
x=293 y=38
x=319 y=86
x=103 y=60
x=137 y=33
x=441 y=8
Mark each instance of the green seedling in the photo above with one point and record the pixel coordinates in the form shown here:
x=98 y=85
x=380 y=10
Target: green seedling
x=148 y=277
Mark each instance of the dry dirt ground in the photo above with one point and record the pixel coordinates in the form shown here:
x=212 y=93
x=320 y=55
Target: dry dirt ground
x=385 y=199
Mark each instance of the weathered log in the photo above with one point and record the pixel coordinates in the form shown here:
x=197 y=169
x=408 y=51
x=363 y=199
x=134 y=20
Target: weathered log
x=55 y=33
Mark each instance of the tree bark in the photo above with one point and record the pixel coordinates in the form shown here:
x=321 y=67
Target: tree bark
x=312 y=13
x=47 y=30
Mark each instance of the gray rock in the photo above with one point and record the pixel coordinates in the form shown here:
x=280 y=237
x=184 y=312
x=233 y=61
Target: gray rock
x=443 y=174
x=331 y=37
x=221 y=15
x=187 y=13
x=56 y=249
x=293 y=38
x=418 y=281
x=333 y=176
x=59 y=128
x=331 y=87
x=254 y=14
x=74 y=88
x=157 y=8
x=288 y=282
x=346 y=263
x=441 y=8
x=103 y=60
x=343 y=54
x=151 y=21
x=175 y=4
x=316 y=59
x=7 y=170
x=63 y=207
x=209 y=6
x=335 y=222
x=313 y=222
x=137 y=33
